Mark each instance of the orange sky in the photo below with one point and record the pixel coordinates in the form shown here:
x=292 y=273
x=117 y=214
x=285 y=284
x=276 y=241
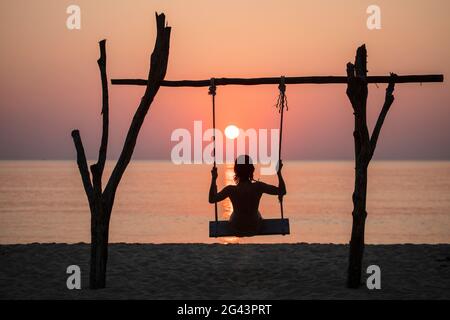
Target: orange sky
x=49 y=80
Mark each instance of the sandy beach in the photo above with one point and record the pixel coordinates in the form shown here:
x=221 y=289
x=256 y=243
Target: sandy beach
x=205 y=271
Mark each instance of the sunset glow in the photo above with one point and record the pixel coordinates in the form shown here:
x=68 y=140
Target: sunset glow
x=261 y=39
x=192 y=151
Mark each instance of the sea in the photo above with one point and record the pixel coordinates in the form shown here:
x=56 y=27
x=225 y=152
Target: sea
x=160 y=202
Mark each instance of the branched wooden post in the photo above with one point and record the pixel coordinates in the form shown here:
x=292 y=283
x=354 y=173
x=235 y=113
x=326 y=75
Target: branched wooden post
x=101 y=201
x=364 y=149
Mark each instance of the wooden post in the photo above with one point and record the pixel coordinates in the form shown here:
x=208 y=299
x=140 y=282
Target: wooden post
x=364 y=149
x=101 y=200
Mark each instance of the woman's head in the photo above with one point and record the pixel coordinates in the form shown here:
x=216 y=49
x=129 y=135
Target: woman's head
x=243 y=168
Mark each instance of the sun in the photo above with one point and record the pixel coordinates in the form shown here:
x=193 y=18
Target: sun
x=231 y=132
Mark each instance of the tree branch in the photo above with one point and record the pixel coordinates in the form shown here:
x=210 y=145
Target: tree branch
x=97 y=191
x=82 y=165
x=351 y=83
x=105 y=111
x=351 y=96
x=357 y=93
x=157 y=72
x=361 y=62
x=388 y=100
x=361 y=94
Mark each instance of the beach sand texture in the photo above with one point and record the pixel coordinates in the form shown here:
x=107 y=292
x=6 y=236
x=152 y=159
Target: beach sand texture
x=215 y=271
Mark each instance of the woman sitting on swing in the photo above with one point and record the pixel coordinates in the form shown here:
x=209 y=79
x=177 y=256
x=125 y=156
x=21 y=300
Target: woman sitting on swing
x=245 y=195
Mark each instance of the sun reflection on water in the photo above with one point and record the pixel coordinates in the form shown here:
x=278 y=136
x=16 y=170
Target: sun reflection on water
x=227 y=206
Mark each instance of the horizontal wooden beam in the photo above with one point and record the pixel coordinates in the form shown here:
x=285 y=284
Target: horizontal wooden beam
x=276 y=80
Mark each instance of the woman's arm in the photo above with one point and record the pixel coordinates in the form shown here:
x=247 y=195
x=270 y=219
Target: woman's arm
x=215 y=196
x=273 y=190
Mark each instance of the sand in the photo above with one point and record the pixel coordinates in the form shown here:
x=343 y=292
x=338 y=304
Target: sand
x=204 y=271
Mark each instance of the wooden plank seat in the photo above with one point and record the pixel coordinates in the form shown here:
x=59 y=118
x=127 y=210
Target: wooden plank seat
x=268 y=227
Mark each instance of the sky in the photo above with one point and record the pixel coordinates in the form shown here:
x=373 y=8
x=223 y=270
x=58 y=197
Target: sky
x=50 y=83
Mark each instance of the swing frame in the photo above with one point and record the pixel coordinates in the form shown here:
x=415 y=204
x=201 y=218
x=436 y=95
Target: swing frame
x=220 y=226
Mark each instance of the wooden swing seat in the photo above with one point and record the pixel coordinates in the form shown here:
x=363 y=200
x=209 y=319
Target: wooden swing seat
x=268 y=227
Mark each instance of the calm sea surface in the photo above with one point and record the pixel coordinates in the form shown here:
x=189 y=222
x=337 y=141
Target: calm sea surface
x=158 y=202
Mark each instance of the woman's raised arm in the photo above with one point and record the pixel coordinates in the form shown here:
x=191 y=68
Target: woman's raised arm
x=215 y=196
x=273 y=190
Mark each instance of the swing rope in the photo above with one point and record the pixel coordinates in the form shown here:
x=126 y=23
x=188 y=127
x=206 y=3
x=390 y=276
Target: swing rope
x=280 y=105
x=212 y=93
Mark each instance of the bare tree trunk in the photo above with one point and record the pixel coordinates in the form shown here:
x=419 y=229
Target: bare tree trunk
x=101 y=201
x=358 y=227
x=365 y=145
x=99 y=252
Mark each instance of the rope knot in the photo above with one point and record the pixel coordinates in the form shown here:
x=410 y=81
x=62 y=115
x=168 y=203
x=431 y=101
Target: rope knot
x=282 y=85
x=282 y=99
x=212 y=88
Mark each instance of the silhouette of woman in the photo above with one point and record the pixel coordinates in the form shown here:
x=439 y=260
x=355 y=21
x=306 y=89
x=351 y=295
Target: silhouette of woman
x=245 y=195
